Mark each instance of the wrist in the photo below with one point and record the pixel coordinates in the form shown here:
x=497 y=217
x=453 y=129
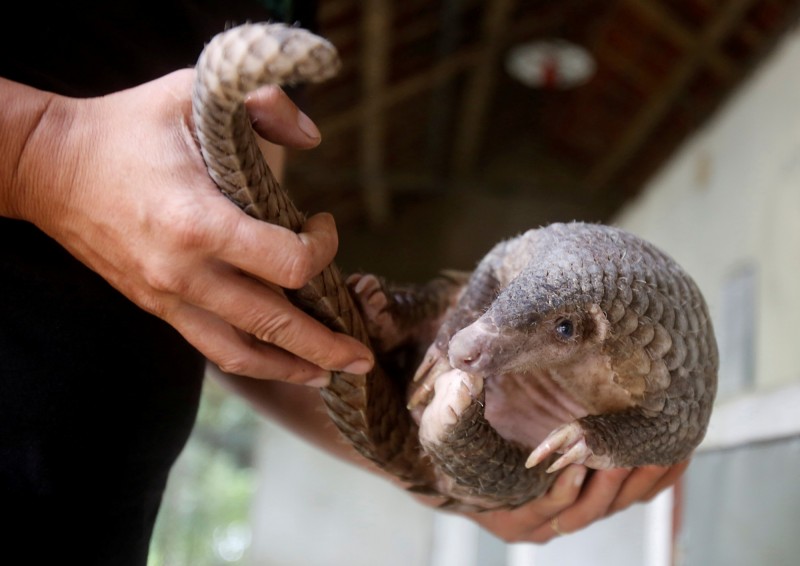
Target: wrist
x=36 y=126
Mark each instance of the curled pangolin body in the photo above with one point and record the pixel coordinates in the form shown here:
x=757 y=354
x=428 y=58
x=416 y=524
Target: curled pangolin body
x=641 y=362
x=638 y=317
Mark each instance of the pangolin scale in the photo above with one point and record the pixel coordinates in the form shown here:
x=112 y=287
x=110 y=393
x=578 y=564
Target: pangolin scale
x=572 y=343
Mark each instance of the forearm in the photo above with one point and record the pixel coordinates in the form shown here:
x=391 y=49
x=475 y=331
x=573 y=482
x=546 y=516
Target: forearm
x=298 y=409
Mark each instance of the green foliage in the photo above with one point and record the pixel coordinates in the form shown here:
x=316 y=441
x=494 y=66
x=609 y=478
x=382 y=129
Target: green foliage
x=204 y=517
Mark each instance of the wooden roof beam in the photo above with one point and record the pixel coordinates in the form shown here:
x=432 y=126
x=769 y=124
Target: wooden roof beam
x=331 y=9
x=659 y=17
x=651 y=115
x=375 y=30
x=480 y=87
x=412 y=86
x=636 y=75
x=442 y=71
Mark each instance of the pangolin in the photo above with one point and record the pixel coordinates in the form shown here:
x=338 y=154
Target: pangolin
x=575 y=339
x=568 y=343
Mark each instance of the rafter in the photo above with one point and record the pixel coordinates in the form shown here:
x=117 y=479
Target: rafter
x=649 y=117
x=655 y=13
x=444 y=70
x=331 y=9
x=621 y=66
x=374 y=64
x=408 y=88
x=478 y=93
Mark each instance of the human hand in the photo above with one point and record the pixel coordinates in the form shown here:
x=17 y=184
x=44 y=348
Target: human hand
x=120 y=183
x=576 y=500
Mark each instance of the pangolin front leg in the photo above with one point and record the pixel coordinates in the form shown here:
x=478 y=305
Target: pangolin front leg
x=626 y=439
x=477 y=467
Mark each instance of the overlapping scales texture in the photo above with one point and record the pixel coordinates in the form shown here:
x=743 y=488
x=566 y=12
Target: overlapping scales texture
x=647 y=344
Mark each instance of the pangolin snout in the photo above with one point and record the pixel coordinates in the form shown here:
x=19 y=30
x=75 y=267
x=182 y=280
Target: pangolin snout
x=470 y=348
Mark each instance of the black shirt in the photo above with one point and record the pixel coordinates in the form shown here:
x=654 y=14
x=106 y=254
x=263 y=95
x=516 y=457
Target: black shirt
x=97 y=397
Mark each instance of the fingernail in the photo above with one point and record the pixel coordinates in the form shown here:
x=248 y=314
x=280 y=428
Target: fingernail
x=308 y=126
x=578 y=476
x=322 y=381
x=358 y=367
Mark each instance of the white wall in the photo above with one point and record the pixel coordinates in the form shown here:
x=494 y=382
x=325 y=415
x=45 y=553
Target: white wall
x=314 y=510
x=730 y=198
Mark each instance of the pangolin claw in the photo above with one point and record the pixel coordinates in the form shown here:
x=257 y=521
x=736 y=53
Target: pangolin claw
x=569 y=440
x=579 y=453
x=561 y=440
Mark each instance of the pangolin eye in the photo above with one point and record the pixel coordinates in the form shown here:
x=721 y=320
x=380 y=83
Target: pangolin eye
x=565 y=328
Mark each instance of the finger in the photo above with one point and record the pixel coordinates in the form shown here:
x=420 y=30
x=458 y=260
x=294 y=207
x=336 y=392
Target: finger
x=668 y=479
x=593 y=503
x=240 y=354
x=636 y=486
x=562 y=495
x=645 y=483
x=518 y=524
x=278 y=255
x=260 y=311
x=565 y=490
x=272 y=113
x=276 y=118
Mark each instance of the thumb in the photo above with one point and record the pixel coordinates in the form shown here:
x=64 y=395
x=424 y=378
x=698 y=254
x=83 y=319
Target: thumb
x=277 y=119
